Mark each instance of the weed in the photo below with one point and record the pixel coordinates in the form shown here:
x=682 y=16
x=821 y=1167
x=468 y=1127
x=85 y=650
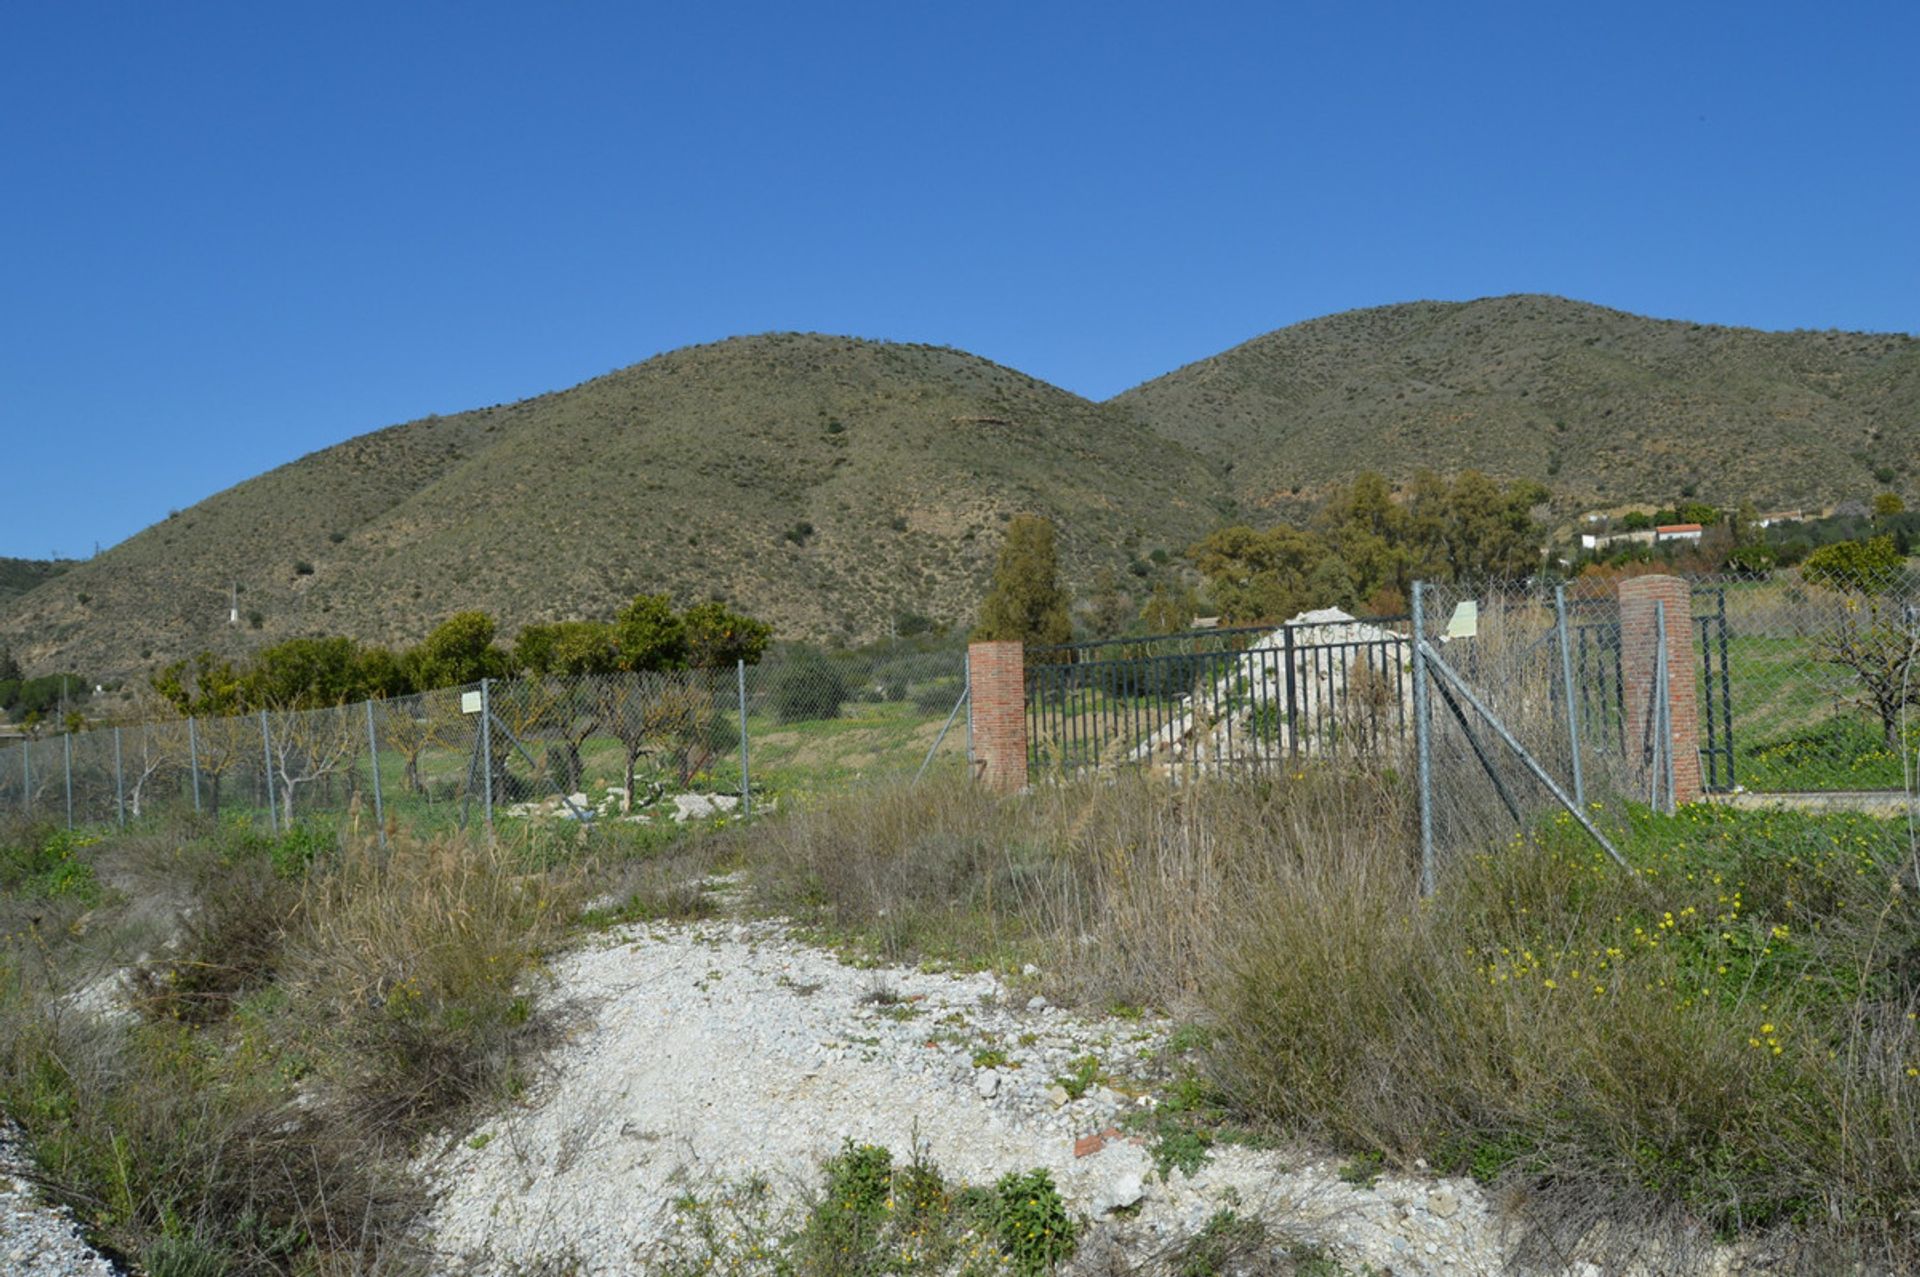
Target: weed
x=1362 y=1170
x=1031 y=1222
x=1084 y=1072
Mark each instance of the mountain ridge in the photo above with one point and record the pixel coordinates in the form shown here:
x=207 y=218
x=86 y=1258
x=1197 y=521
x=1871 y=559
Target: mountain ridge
x=837 y=485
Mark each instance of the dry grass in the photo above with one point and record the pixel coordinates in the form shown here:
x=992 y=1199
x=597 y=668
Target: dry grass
x=322 y=1007
x=1721 y=1043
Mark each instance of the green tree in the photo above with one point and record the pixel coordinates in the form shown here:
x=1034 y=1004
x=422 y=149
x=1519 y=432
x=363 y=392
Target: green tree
x=567 y=647
x=717 y=636
x=305 y=673
x=460 y=650
x=650 y=635
x=1865 y=567
x=1266 y=576
x=1474 y=529
x=1169 y=610
x=383 y=674
x=1027 y=603
x=1876 y=636
x=10 y=671
x=206 y=687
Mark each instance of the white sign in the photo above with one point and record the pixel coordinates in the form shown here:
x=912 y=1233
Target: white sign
x=469 y=702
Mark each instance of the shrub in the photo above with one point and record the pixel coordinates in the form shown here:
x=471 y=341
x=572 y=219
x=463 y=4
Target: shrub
x=809 y=687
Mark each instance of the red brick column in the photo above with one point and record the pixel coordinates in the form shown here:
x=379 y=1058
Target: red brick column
x=997 y=675
x=1638 y=655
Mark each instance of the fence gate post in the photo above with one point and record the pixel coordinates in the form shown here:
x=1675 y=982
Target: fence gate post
x=373 y=753
x=746 y=788
x=69 y=761
x=1660 y=694
x=193 y=761
x=266 y=757
x=26 y=776
x=119 y=783
x=486 y=748
x=1567 y=691
x=997 y=678
x=1422 y=737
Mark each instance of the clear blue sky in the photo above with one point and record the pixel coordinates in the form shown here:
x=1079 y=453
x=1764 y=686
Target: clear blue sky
x=232 y=234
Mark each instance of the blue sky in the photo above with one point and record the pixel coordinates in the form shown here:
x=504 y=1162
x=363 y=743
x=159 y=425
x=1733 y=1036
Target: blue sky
x=234 y=234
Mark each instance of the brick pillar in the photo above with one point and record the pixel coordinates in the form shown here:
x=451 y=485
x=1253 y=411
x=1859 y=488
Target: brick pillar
x=1638 y=653
x=997 y=674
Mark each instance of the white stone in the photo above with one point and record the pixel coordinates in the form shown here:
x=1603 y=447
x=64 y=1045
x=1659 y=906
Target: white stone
x=987 y=1083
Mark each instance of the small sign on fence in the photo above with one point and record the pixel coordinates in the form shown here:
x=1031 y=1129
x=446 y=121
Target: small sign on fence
x=469 y=702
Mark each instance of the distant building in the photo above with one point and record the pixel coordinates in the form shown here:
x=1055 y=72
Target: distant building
x=1780 y=516
x=1601 y=540
x=1678 y=532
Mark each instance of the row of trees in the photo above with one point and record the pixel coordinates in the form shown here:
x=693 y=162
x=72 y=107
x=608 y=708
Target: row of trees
x=30 y=701
x=1363 y=550
x=310 y=673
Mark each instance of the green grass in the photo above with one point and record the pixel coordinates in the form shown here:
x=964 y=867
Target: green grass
x=1794 y=730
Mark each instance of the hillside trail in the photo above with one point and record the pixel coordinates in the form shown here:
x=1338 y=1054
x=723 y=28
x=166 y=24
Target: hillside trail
x=709 y=1054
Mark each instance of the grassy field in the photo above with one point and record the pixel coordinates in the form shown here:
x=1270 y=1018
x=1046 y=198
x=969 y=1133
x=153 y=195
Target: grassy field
x=1719 y=1043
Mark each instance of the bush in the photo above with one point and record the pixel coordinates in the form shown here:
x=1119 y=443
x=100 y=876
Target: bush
x=809 y=687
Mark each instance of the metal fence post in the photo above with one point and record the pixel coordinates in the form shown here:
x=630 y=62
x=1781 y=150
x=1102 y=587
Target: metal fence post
x=69 y=761
x=1566 y=683
x=266 y=757
x=486 y=749
x=966 y=689
x=26 y=776
x=746 y=789
x=119 y=782
x=1663 y=710
x=373 y=752
x=1423 y=744
x=193 y=761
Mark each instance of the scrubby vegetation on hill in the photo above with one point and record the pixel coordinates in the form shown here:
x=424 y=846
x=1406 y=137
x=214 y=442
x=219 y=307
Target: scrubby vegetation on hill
x=1604 y=406
x=836 y=487
x=827 y=485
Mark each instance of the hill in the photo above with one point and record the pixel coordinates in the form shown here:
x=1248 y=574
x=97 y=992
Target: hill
x=17 y=576
x=1604 y=407
x=826 y=484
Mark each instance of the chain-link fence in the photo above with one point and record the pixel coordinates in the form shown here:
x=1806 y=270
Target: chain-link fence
x=635 y=747
x=1659 y=689
x=1822 y=679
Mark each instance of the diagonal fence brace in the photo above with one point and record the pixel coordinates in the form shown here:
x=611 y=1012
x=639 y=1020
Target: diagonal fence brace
x=1433 y=661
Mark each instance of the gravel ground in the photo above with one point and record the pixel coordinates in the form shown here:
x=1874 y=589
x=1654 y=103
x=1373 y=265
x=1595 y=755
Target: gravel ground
x=708 y=1053
x=38 y=1240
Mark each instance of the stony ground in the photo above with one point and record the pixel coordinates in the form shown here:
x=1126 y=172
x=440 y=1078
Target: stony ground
x=38 y=1240
x=706 y=1054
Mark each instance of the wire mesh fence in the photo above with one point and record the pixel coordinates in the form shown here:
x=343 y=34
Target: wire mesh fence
x=636 y=747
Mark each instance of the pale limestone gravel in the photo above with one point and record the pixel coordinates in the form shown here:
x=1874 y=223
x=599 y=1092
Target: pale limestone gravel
x=705 y=1054
x=38 y=1239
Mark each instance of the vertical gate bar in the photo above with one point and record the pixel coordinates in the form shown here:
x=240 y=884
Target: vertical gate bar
x=1726 y=691
x=1712 y=750
x=1423 y=745
x=1293 y=697
x=119 y=783
x=69 y=764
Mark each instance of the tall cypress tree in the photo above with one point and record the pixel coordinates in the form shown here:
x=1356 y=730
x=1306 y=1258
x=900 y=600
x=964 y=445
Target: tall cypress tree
x=1027 y=601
